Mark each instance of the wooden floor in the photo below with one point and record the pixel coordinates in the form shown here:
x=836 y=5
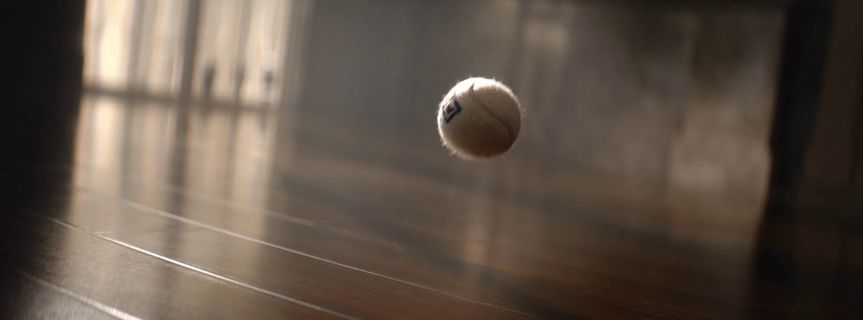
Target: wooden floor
x=131 y=230
x=335 y=204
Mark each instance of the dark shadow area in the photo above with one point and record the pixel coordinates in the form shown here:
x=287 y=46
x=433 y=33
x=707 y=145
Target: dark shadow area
x=810 y=236
x=41 y=80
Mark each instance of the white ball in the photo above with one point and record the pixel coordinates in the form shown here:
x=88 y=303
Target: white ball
x=479 y=118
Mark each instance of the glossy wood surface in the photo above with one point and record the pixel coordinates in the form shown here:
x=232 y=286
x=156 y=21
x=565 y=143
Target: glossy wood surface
x=336 y=201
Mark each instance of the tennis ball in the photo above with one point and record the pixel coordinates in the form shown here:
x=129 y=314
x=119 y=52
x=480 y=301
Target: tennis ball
x=479 y=118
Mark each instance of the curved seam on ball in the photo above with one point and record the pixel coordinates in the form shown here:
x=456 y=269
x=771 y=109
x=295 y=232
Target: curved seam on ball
x=495 y=116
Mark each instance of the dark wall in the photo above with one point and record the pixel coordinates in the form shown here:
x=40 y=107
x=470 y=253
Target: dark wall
x=41 y=85
x=817 y=138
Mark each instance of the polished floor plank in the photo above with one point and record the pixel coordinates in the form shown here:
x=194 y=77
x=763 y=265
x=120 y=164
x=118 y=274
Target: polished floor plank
x=349 y=247
x=137 y=284
x=109 y=217
x=39 y=299
x=329 y=182
x=446 y=232
x=541 y=271
x=336 y=287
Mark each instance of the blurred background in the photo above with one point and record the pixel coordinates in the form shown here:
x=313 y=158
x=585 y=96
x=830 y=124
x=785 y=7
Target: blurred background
x=724 y=135
x=639 y=102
